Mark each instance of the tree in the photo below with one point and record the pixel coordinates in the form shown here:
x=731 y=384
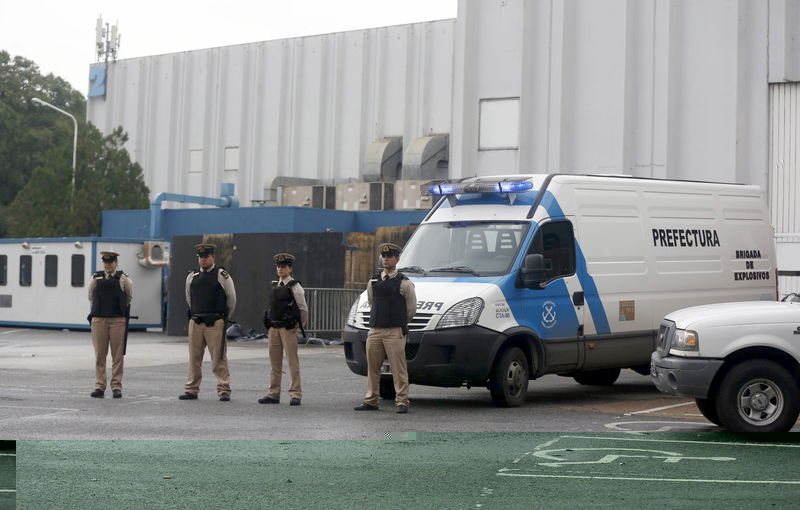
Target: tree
x=36 y=159
x=28 y=132
x=106 y=178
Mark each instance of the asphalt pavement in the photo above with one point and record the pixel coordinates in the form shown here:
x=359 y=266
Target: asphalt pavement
x=46 y=377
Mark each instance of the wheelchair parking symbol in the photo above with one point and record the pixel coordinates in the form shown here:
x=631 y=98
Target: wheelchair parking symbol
x=578 y=456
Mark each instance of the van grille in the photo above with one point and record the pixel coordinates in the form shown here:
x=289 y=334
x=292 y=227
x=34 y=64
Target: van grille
x=665 y=332
x=419 y=322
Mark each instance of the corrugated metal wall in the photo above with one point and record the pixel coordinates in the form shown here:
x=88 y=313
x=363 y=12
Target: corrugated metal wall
x=302 y=107
x=650 y=88
x=784 y=181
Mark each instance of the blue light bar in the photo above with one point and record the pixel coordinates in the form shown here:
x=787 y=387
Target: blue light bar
x=452 y=188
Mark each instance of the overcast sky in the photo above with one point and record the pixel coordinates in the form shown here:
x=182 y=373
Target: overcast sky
x=59 y=35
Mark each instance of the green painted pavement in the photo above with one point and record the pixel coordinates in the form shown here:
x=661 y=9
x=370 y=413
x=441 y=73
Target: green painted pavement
x=416 y=470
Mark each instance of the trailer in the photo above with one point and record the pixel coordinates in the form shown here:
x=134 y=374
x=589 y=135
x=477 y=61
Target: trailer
x=44 y=281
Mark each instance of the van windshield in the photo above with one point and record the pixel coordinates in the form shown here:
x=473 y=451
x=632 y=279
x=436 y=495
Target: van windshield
x=478 y=248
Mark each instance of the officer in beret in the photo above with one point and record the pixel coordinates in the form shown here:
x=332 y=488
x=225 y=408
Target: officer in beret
x=211 y=297
x=287 y=313
x=110 y=293
x=393 y=303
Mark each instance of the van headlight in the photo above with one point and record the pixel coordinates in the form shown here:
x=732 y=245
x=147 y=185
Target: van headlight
x=463 y=313
x=685 y=342
x=353 y=315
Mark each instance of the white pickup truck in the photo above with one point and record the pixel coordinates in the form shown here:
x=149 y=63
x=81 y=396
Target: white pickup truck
x=740 y=362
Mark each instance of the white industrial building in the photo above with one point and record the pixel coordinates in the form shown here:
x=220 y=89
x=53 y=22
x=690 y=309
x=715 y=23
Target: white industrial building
x=685 y=89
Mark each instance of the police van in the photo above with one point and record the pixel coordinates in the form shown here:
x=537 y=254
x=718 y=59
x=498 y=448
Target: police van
x=521 y=276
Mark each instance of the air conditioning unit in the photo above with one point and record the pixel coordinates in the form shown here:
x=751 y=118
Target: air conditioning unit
x=154 y=254
x=297 y=196
x=365 y=196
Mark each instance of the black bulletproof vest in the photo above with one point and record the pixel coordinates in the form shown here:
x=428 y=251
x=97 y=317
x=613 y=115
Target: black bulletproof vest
x=388 y=305
x=283 y=305
x=207 y=294
x=109 y=299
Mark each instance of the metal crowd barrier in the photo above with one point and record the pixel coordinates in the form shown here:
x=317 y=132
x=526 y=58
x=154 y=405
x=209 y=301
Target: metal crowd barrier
x=328 y=309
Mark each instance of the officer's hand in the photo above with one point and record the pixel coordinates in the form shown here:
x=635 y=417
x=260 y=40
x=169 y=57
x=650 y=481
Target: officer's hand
x=188 y=314
x=89 y=318
x=404 y=329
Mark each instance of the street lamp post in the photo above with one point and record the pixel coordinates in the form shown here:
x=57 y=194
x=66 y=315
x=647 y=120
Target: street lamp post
x=38 y=101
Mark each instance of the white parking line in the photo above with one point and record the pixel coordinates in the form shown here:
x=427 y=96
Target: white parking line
x=685 y=441
x=656 y=409
x=12 y=331
x=643 y=479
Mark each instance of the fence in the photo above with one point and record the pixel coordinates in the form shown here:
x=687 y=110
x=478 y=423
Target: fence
x=328 y=309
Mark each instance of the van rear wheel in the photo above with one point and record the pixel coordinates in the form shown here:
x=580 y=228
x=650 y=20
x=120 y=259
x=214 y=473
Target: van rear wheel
x=508 y=383
x=605 y=377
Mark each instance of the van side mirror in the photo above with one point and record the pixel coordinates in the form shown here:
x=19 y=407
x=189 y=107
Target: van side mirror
x=533 y=271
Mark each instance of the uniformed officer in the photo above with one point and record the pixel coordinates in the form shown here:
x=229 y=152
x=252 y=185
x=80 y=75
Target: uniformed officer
x=110 y=293
x=286 y=313
x=393 y=302
x=211 y=297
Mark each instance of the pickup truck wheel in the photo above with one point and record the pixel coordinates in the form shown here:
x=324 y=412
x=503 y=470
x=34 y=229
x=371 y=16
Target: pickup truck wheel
x=508 y=383
x=605 y=377
x=758 y=396
x=708 y=407
x=387 y=389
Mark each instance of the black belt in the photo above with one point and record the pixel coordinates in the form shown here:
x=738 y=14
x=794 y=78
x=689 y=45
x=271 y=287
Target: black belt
x=208 y=320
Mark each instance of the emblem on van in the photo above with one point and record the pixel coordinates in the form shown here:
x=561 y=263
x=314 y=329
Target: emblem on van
x=548 y=314
x=797 y=331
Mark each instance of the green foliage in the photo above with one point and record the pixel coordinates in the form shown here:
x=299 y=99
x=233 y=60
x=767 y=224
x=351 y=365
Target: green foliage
x=36 y=199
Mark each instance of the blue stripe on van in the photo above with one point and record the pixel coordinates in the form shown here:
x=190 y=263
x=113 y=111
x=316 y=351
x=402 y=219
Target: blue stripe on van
x=590 y=291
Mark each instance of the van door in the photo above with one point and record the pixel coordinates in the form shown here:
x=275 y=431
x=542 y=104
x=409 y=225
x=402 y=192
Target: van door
x=555 y=308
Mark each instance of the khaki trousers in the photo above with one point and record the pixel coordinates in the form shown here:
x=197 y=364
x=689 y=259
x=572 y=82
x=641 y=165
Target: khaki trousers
x=108 y=331
x=386 y=343
x=200 y=337
x=283 y=340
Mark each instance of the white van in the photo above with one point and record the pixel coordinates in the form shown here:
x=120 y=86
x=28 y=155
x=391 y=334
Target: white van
x=526 y=275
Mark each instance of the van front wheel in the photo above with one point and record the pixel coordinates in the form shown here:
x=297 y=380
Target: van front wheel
x=509 y=380
x=605 y=377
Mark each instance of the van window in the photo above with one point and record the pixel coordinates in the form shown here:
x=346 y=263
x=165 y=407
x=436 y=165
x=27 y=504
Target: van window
x=482 y=248
x=78 y=267
x=50 y=270
x=3 y=269
x=25 y=264
x=555 y=241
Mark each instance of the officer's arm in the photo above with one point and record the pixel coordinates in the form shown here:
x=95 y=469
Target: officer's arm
x=188 y=295
x=230 y=292
x=300 y=299
x=92 y=285
x=369 y=292
x=127 y=287
x=408 y=292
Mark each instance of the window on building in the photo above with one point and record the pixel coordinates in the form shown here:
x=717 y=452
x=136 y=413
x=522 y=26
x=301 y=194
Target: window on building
x=499 y=124
x=3 y=269
x=78 y=268
x=50 y=270
x=25 y=268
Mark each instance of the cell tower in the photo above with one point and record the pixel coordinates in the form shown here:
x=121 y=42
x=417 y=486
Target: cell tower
x=107 y=40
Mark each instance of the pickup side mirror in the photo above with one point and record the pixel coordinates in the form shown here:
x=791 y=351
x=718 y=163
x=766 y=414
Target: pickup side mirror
x=533 y=271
